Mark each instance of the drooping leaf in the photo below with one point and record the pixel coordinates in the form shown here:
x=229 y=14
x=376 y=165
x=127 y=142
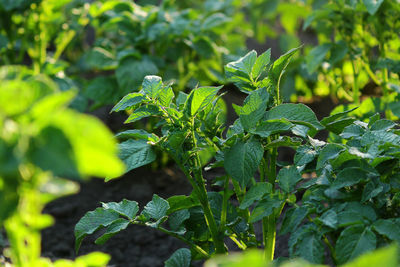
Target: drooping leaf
x=255 y=193
x=129 y=101
x=389 y=228
x=136 y=153
x=295 y=113
x=181 y=258
x=91 y=222
x=112 y=229
x=287 y=178
x=242 y=160
x=125 y=208
x=354 y=241
x=143 y=112
x=348 y=177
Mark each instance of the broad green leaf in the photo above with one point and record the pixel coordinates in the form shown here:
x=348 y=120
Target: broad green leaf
x=389 y=228
x=241 y=160
x=316 y=56
x=349 y=177
x=329 y=218
x=94 y=147
x=372 y=5
x=129 y=101
x=280 y=65
x=264 y=208
x=214 y=20
x=292 y=220
x=100 y=58
x=304 y=155
x=244 y=65
x=152 y=85
x=112 y=229
x=337 y=127
x=267 y=128
x=255 y=193
x=181 y=258
x=261 y=63
x=333 y=117
x=382 y=125
x=330 y=151
x=138 y=134
x=180 y=202
x=353 y=130
x=296 y=113
x=354 y=241
x=371 y=190
x=287 y=178
x=200 y=98
x=176 y=219
x=103 y=91
x=284 y=141
x=52 y=151
x=387 y=256
x=253 y=108
x=166 y=96
x=143 y=112
x=125 y=208
x=310 y=247
x=136 y=153
x=156 y=209
x=91 y=222
x=395 y=108
x=131 y=72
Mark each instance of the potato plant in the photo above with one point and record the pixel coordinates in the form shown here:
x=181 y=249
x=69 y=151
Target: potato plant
x=41 y=142
x=354 y=176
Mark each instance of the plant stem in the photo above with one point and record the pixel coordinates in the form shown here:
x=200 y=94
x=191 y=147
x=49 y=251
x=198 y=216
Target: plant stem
x=202 y=195
x=224 y=205
x=356 y=97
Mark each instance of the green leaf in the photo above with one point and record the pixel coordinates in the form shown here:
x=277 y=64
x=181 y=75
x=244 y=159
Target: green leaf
x=101 y=59
x=295 y=113
x=349 y=177
x=152 y=85
x=138 y=134
x=389 y=228
x=387 y=257
x=255 y=193
x=264 y=208
x=310 y=247
x=253 y=109
x=200 y=98
x=156 y=209
x=382 y=125
x=130 y=100
x=91 y=222
x=371 y=190
x=181 y=258
x=143 y=112
x=330 y=151
x=180 y=202
x=261 y=63
x=304 y=155
x=103 y=91
x=284 y=141
x=353 y=130
x=242 y=160
x=354 y=241
x=316 y=56
x=112 y=229
x=287 y=178
x=329 y=218
x=395 y=108
x=372 y=5
x=165 y=96
x=177 y=218
x=333 y=117
x=280 y=65
x=125 y=208
x=244 y=65
x=292 y=220
x=136 y=153
x=131 y=72
x=267 y=128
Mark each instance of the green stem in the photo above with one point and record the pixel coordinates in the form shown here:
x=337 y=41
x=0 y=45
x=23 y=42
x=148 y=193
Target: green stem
x=271 y=237
x=356 y=97
x=224 y=205
x=202 y=195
